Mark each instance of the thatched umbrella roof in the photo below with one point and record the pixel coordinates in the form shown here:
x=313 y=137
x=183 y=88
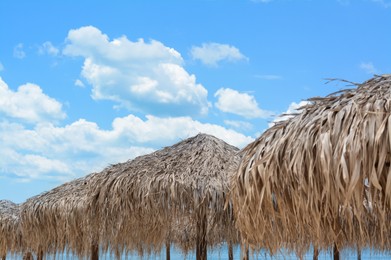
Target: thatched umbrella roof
x=163 y=196
x=10 y=236
x=322 y=176
x=55 y=221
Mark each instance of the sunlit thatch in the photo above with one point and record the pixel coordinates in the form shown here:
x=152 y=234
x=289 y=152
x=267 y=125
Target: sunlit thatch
x=323 y=176
x=55 y=221
x=10 y=236
x=167 y=196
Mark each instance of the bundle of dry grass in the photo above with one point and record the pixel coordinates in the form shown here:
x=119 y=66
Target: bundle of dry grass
x=55 y=221
x=175 y=195
x=322 y=176
x=10 y=235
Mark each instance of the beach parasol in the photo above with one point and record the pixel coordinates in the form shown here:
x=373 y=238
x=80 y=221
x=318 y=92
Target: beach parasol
x=322 y=177
x=55 y=221
x=175 y=195
x=10 y=236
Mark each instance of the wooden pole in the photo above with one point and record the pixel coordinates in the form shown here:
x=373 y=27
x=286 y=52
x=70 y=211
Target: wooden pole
x=230 y=251
x=316 y=253
x=168 y=251
x=94 y=251
x=28 y=256
x=3 y=257
x=40 y=255
x=244 y=252
x=336 y=252
x=201 y=250
x=358 y=254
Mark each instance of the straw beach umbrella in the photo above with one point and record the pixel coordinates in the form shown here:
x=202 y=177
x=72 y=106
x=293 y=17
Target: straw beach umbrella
x=55 y=221
x=10 y=237
x=323 y=176
x=175 y=195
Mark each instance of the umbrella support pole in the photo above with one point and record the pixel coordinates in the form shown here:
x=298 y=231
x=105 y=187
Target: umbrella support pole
x=40 y=255
x=230 y=251
x=335 y=253
x=28 y=256
x=358 y=254
x=201 y=250
x=244 y=252
x=168 y=253
x=316 y=253
x=3 y=257
x=94 y=251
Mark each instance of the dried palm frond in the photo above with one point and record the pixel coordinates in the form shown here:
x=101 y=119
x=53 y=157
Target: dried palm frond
x=10 y=235
x=157 y=198
x=55 y=221
x=139 y=205
x=322 y=177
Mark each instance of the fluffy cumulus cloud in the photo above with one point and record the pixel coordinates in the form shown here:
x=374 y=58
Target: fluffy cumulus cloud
x=61 y=153
x=29 y=103
x=19 y=51
x=213 y=53
x=37 y=146
x=294 y=108
x=79 y=83
x=82 y=146
x=48 y=48
x=242 y=104
x=138 y=75
x=173 y=129
x=369 y=68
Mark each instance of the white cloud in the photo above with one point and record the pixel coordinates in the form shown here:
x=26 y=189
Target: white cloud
x=83 y=147
x=48 y=48
x=1 y=66
x=19 y=52
x=369 y=68
x=64 y=152
x=79 y=83
x=29 y=103
x=45 y=150
x=240 y=125
x=172 y=129
x=242 y=104
x=269 y=77
x=139 y=75
x=292 y=109
x=213 y=53
x=54 y=152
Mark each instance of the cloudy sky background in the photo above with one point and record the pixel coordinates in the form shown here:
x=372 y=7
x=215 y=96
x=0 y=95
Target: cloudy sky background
x=86 y=84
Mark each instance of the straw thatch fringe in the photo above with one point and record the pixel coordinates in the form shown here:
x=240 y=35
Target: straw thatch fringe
x=10 y=235
x=322 y=176
x=55 y=221
x=139 y=205
x=143 y=203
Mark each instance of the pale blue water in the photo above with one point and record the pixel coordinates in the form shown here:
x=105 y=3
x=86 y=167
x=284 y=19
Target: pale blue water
x=222 y=254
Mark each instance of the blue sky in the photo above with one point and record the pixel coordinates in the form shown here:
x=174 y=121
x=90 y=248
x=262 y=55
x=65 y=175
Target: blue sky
x=87 y=83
